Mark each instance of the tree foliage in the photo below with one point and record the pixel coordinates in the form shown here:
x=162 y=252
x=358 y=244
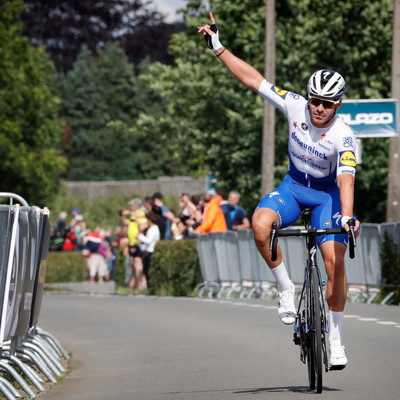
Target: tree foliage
x=64 y=26
x=29 y=128
x=101 y=102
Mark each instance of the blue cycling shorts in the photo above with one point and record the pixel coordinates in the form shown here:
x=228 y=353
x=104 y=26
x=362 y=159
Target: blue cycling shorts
x=291 y=198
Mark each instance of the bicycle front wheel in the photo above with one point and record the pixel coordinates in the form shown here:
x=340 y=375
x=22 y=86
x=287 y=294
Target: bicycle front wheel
x=314 y=353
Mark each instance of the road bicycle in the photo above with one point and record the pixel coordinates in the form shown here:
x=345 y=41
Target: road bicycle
x=311 y=321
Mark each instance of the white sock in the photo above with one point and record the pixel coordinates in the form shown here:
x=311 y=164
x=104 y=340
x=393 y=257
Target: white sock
x=335 y=325
x=282 y=277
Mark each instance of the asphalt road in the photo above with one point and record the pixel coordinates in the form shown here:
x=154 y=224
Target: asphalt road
x=148 y=348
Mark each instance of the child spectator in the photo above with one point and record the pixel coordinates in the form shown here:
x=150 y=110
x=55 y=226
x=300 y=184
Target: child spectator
x=95 y=261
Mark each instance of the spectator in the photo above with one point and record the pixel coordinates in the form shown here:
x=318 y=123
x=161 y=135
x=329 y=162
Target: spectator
x=238 y=213
x=112 y=239
x=226 y=208
x=166 y=213
x=213 y=220
x=56 y=240
x=161 y=222
x=148 y=203
x=132 y=218
x=62 y=224
x=190 y=214
x=74 y=212
x=79 y=228
x=70 y=240
x=175 y=230
x=95 y=261
x=149 y=241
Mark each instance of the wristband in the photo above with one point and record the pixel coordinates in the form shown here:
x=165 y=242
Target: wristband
x=344 y=220
x=220 y=52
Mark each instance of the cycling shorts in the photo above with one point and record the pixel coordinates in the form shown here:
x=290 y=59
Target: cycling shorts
x=291 y=198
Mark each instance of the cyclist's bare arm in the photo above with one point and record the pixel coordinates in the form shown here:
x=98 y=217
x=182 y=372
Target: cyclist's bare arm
x=244 y=72
x=345 y=183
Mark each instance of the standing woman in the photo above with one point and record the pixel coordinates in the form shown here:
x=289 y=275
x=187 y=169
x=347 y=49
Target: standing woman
x=148 y=240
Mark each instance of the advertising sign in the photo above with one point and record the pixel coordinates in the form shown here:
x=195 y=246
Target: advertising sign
x=371 y=118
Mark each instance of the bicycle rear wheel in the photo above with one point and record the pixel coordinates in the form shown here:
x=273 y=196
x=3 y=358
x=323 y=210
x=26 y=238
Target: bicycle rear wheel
x=314 y=353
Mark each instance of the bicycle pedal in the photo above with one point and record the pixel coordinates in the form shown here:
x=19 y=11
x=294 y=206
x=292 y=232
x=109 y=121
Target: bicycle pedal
x=336 y=367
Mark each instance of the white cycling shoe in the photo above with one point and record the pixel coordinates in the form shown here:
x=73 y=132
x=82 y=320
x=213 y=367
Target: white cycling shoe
x=286 y=307
x=338 y=358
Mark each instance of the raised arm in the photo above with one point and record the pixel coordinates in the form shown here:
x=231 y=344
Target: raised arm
x=244 y=72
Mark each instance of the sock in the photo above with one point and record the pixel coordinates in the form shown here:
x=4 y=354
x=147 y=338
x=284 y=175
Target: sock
x=282 y=277
x=335 y=325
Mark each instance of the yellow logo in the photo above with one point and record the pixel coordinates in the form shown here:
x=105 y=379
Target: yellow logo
x=279 y=92
x=348 y=158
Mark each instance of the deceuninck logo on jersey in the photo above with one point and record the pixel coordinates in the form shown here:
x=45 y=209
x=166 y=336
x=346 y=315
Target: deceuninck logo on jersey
x=347 y=158
x=280 y=92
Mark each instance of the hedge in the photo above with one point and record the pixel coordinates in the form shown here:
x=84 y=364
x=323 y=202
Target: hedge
x=175 y=268
x=66 y=266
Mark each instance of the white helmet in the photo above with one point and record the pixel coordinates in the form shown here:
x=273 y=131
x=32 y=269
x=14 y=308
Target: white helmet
x=326 y=83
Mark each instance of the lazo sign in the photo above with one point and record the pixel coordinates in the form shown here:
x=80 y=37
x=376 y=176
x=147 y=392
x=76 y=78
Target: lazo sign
x=371 y=118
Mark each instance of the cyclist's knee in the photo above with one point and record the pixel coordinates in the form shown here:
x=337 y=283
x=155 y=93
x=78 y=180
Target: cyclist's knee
x=262 y=222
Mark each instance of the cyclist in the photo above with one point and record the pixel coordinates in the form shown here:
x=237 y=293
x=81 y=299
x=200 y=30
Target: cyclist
x=320 y=176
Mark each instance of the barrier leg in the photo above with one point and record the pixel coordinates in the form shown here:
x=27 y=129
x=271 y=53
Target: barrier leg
x=8 y=390
x=27 y=370
x=47 y=350
x=55 y=341
x=25 y=387
x=44 y=357
x=37 y=360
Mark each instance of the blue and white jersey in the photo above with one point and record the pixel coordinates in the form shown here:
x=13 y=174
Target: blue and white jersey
x=317 y=155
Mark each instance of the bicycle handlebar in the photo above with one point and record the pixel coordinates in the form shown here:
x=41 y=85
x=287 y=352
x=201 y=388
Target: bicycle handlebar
x=275 y=232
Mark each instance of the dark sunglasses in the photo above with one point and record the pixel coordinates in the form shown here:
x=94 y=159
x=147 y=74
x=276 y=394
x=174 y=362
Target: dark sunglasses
x=326 y=103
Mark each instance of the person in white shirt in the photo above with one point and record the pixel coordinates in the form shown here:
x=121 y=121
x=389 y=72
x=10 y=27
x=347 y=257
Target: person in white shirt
x=148 y=238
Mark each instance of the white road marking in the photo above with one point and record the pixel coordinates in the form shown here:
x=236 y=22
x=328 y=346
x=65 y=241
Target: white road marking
x=368 y=319
x=252 y=305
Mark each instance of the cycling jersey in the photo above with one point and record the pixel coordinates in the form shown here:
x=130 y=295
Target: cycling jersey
x=316 y=155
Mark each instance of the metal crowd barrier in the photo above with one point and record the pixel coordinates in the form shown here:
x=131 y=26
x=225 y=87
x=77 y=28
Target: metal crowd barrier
x=232 y=266
x=24 y=347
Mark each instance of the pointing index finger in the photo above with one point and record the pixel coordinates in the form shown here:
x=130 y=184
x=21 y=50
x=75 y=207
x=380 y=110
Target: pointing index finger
x=212 y=18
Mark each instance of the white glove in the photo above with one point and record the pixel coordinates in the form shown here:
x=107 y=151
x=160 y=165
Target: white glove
x=213 y=40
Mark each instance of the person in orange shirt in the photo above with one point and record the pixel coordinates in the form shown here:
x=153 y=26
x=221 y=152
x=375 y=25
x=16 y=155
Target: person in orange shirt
x=213 y=219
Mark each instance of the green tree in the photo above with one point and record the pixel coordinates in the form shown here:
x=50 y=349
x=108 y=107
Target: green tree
x=217 y=123
x=29 y=128
x=102 y=102
x=98 y=103
x=67 y=25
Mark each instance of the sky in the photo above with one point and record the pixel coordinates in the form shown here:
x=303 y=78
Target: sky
x=169 y=8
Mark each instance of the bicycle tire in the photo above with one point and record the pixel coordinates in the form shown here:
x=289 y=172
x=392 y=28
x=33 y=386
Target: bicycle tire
x=316 y=330
x=310 y=343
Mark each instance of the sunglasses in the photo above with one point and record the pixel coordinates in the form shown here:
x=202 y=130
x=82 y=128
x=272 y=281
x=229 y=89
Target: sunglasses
x=328 y=104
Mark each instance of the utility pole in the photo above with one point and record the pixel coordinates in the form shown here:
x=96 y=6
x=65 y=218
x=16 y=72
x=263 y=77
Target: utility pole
x=268 y=138
x=393 y=197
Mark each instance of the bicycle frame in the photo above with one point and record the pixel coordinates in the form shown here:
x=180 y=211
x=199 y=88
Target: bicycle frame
x=311 y=320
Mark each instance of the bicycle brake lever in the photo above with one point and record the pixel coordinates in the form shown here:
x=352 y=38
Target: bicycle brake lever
x=352 y=243
x=273 y=241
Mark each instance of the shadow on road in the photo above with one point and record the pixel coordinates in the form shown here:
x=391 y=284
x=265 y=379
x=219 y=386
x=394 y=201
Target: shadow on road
x=293 y=389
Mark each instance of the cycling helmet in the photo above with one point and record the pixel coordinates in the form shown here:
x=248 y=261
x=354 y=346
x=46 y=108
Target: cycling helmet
x=326 y=83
